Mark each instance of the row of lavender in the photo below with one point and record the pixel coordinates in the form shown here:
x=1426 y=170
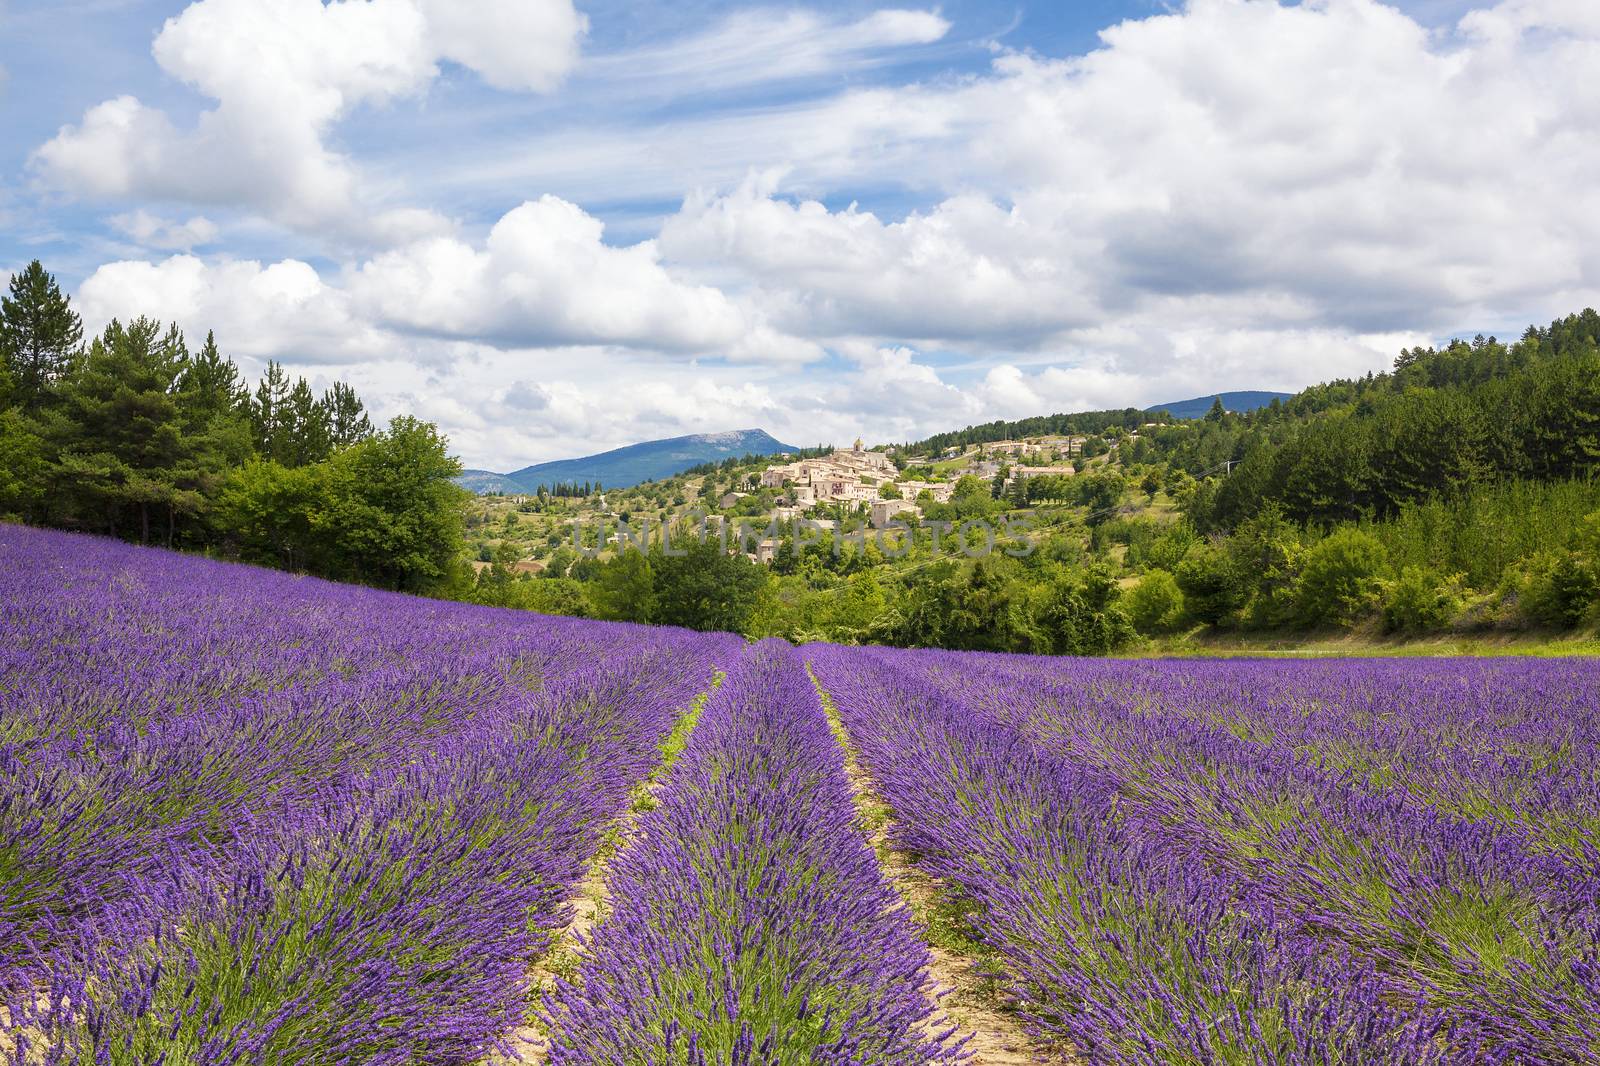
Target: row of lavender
x=750 y=922
x=1259 y=862
x=247 y=817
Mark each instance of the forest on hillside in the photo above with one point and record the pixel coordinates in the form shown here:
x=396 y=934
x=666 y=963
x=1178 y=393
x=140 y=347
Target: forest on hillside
x=132 y=434
x=1453 y=494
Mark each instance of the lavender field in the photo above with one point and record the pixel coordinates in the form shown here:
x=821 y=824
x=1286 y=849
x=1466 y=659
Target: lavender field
x=247 y=817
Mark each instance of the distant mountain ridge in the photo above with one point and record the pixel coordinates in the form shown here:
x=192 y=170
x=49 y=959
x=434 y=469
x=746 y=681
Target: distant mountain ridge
x=1239 y=402
x=625 y=467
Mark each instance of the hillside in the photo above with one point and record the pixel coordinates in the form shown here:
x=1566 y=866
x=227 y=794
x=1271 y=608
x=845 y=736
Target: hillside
x=625 y=467
x=1455 y=495
x=1091 y=422
x=1238 y=402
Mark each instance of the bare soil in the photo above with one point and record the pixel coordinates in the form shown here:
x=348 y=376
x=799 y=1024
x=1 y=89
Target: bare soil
x=964 y=993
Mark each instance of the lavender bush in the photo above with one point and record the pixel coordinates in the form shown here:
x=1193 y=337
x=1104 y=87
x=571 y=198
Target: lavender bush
x=751 y=923
x=250 y=817
x=1240 y=862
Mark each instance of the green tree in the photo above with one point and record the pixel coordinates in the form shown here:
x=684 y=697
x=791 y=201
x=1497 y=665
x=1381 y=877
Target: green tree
x=1155 y=604
x=1426 y=442
x=24 y=466
x=625 y=590
x=1080 y=614
x=307 y=433
x=1340 y=579
x=270 y=514
x=211 y=386
x=40 y=335
x=1213 y=589
x=345 y=415
x=394 y=516
x=1421 y=600
x=1100 y=492
x=123 y=455
x=706 y=588
x=214 y=418
x=269 y=413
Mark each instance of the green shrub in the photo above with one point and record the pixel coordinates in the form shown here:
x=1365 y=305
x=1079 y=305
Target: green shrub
x=1080 y=613
x=1558 y=589
x=1339 y=578
x=1155 y=604
x=1213 y=589
x=1421 y=600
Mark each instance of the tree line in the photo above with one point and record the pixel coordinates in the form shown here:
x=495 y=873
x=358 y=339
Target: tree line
x=133 y=434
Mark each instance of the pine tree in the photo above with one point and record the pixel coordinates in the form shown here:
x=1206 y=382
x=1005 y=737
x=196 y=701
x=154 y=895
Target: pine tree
x=40 y=335
x=306 y=434
x=214 y=409
x=347 y=417
x=269 y=412
x=121 y=443
x=211 y=385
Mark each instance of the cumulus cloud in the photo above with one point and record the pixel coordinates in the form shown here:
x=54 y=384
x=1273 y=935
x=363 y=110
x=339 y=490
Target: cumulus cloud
x=545 y=277
x=1325 y=166
x=281 y=310
x=969 y=269
x=542 y=278
x=282 y=73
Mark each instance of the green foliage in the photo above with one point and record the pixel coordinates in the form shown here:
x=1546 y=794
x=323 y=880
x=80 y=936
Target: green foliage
x=1340 y=579
x=974 y=606
x=382 y=512
x=393 y=516
x=700 y=586
x=1100 y=492
x=1559 y=588
x=1213 y=588
x=625 y=589
x=269 y=513
x=125 y=457
x=1421 y=600
x=1267 y=550
x=23 y=465
x=39 y=336
x=1079 y=614
x=1486 y=532
x=1155 y=604
x=1442 y=424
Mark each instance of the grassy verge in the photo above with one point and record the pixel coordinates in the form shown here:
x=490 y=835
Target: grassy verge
x=1367 y=645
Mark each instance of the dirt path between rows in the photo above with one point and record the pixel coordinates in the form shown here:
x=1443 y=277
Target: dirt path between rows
x=965 y=995
x=590 y=897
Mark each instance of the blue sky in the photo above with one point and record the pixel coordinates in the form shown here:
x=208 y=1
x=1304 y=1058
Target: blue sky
x=555 y=228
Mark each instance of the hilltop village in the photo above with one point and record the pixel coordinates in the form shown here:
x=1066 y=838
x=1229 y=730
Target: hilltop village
x=840 y=489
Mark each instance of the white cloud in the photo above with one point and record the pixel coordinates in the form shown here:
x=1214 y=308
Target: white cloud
x=544 y=277
x=1329 y=163
x=512 y=44
x=969 y=269
x=165 y=234
x=283 y=310
x=283 y=72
